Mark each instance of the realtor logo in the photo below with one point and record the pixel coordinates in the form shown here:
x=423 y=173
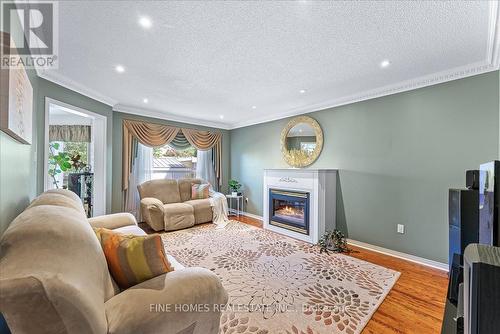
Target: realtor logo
x=29 y=34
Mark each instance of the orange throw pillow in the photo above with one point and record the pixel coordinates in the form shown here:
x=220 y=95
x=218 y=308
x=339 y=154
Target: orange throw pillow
x=133 y=259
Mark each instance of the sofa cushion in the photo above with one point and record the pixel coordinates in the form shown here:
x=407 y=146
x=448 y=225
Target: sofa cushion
x=178 y=215
x=59 y=199
x=158 y=305
x=68 y=193
x=167 y=191
x=133 y=259
x=202 y=210
x=131 y=229
x=175 y=264
x=54 y=274
x=113 y=221
x=185 y=188
x=199 y=191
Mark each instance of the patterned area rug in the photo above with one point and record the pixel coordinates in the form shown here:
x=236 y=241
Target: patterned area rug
x=278 y=284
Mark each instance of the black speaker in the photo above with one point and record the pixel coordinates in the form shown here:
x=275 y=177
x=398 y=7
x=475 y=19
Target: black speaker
x=472 y=179
x=463 y=216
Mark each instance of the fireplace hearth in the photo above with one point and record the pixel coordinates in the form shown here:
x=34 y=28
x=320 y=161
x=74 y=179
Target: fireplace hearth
x=289 y=210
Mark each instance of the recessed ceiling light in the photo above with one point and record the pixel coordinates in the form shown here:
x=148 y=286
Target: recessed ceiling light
x=119 y=68
x=221 y=116
x=254 y=107
x=145 y=100
x=145 y=22
x=302 y=91
x=385 y=63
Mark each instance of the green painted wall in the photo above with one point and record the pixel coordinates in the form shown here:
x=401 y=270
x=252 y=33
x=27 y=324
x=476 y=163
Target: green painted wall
x=17 y=164
x=21 y=166
x=17 y=179
x=117 y=201
x=397 y=156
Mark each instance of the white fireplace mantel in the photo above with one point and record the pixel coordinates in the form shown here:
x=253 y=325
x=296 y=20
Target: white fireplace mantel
x=321 y=185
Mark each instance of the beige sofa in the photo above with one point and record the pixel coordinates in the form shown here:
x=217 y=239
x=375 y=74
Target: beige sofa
x=167 y=204
x=54 y=278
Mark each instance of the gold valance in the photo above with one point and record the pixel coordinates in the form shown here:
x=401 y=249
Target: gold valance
x=154 y=135
x=202 y=140
x=70 y=133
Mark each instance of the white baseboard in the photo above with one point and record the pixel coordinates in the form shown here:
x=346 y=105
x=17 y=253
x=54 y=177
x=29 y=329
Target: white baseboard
x=400 y=255
x=247 y=214
x=378 y=249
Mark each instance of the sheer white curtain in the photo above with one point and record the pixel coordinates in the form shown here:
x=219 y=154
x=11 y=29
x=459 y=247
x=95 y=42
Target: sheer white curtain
x=205 y=168
x=141 y=172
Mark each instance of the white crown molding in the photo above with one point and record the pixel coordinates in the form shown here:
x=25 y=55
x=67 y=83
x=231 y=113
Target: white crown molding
x=374 y=248
x=65 y=82
x=403 y=86
x=168 y=116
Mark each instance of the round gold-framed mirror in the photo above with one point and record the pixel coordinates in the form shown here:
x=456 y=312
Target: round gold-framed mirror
x=301 y=141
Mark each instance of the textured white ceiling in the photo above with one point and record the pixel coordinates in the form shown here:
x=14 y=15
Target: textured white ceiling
x=204 y=59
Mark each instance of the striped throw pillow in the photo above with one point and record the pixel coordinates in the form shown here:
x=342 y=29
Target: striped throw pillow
x=199 y=191
x=133 y=259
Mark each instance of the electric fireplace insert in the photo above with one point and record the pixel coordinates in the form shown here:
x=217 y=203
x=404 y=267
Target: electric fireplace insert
x=289 y=210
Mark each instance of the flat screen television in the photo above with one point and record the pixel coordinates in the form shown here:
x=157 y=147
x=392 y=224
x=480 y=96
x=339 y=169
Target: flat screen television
x=489 y=198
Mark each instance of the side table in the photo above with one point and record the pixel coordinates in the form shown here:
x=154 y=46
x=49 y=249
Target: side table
x=238 y=207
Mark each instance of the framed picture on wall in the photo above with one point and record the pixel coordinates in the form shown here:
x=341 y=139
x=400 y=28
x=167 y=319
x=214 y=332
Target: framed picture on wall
x=16 y=106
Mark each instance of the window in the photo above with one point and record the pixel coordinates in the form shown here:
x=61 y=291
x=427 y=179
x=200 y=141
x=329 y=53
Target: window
x=172 y=163
x=78 y=155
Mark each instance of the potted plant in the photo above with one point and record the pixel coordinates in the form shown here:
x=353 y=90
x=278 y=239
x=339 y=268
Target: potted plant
x=234 y=186
x=58 y=163
x=334 y=241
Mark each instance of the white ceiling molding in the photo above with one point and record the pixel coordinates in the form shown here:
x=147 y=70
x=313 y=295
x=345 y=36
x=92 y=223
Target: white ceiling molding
x=169 y=117
x=61 y=80
x=491 y=62
x=428 y=80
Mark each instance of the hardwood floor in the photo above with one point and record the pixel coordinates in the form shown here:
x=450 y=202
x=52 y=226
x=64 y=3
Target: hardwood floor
x=416 y=302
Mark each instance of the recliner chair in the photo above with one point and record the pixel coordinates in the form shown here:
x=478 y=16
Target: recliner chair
x=167 y=205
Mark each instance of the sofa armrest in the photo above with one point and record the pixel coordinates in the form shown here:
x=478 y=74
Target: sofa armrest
x=161 y=304
x=151 y=203
x=152 y=211
x=113 y=221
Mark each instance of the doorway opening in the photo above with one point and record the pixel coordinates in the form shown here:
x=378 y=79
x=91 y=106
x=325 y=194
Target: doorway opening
x=75 y=154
